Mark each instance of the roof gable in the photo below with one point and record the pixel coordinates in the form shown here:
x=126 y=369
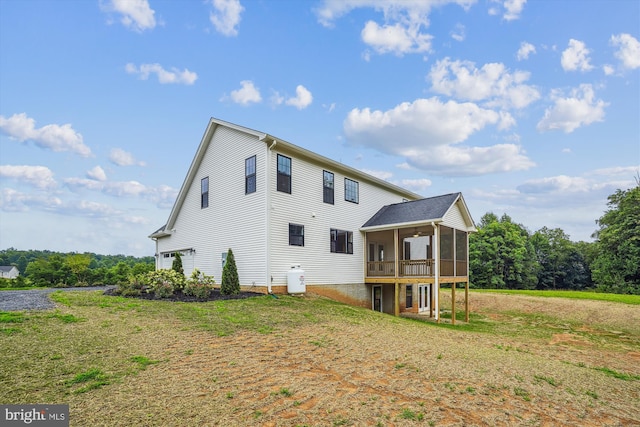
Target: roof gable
x=268 y=140
x=431 y=209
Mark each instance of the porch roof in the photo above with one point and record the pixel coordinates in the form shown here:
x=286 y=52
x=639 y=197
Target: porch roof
x=417 y=211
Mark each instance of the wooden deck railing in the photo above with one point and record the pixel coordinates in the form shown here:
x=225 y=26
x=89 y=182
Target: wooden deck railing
x=411 y=268
x=415 y=268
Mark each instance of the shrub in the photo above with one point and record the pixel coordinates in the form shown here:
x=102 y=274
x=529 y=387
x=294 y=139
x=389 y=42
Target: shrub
x=230 y=282
x=163 y=283
x=176 y=265
x=163 y=290
x=199 y=285
x=133 y=287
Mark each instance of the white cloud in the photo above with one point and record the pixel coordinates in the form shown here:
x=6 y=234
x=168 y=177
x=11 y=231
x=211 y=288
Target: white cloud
x=385 y=175
x=628 y=50
x=174 y=76
x=136 y=14
x=560 y=183
x=576 y=57
x=225 y=16
x=247 y=94
x=459 y=33
x=424 y=131
x=39 y=176
x=123 y=158
x=567 y=114
x=396 y=38
x=525 y=50
x=163 y=196
x=608 y=70
x=404 y=21
x=15 y=201
x=493 y=83
x=302 y=99
x=97 y=173
x=54 y=137
x=416 y=185
x=513 y=8
x=629 y=171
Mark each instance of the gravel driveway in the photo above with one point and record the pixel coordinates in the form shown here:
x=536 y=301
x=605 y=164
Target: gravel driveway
x=35 y=299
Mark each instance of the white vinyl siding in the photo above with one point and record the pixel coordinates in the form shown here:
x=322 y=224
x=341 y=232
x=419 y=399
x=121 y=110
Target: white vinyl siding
x=454 y=219
x=305 y=206
x=234 y=219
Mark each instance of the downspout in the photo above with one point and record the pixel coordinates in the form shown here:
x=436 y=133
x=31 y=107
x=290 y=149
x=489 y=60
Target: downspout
x=155 y=240
x=268 y=217
x=436 y=270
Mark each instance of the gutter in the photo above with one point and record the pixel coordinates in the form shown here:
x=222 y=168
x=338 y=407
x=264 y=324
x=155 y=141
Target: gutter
x=269 y=277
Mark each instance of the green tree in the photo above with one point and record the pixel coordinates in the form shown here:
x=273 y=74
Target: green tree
x=79 y=265
x=501 y=255
x=562 y=264
x=616 y=267
x=176 y=265
x=230 y=284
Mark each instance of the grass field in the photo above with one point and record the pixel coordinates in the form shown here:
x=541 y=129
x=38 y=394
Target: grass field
x=294 y=361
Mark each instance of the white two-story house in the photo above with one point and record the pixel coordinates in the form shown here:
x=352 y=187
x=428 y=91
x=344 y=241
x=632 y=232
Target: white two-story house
x=359 y=239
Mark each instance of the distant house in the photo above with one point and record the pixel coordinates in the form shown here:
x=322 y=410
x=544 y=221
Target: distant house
x=359 y=239
x=9 y=272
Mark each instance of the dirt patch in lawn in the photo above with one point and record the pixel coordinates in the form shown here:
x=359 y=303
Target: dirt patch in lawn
x=369 y=370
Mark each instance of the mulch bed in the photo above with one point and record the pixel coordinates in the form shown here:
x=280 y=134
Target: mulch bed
x=178 y=296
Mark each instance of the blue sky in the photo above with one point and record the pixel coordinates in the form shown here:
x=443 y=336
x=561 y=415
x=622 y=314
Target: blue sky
x=529 y=108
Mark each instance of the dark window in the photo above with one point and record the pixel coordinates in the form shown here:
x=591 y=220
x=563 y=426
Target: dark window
x=341 y=241
x=296 y=235
x=204 y=193
x=284 y=174
x=250 y=175
x=327 y=187
x=409 y=302
x=350 y=190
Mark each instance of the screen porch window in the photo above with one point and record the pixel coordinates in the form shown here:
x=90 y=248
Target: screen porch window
x=327 y=187
x=341 y=241
x=351 y=190
x=296 y=235
x=204 y=193
x=250 y=175
x=284 y=174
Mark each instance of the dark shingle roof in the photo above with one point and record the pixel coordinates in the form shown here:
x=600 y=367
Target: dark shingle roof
x=418 y=210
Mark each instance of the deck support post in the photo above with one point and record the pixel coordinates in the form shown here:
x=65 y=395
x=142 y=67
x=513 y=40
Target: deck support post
x=431 y=299
x=396 y=300
x=453 y=303
x=466 y=301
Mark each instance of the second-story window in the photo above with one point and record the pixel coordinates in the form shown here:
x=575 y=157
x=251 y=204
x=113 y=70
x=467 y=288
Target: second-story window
x=204 y=193
x=284 y=174
x=250 y=175
x=351 y=190
x=327 y=187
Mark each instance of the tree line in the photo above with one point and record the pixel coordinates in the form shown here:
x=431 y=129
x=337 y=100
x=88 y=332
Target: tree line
x=48 y=268
x=505 y=255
